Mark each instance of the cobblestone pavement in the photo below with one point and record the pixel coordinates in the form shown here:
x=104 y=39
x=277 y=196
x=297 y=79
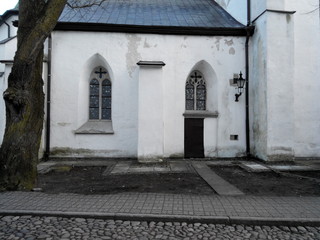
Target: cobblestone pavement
x=50 y=228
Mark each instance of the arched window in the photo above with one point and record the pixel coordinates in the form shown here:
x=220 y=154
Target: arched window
x=196 y=93
x=94 y=99
x=100 y=95
x=106 y=99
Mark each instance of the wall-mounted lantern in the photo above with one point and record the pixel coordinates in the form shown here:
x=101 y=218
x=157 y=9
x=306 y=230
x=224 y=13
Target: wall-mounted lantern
x=240 y=81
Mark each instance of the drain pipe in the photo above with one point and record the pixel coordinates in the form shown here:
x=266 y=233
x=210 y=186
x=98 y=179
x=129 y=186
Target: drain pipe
x=48 y=119
x=4 y=21
x=247 y=78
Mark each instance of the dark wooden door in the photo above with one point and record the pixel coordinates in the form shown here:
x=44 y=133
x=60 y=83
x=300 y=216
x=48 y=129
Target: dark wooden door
x=193 y=138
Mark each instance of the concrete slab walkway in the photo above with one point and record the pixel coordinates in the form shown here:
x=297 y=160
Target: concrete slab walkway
x=127 y=167
x=218 y=184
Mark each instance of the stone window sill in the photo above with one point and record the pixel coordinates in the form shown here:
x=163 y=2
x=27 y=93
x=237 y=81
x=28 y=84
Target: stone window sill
x=96 y=127
x=200 y=114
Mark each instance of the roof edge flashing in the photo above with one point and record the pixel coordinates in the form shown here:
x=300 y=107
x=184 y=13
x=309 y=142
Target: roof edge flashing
x=170 y=30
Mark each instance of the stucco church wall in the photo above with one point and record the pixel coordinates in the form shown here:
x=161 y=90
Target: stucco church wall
x=150 y=119
x=280 y=65
x=258 y=90
x=271 y=85
x=284 y=69
x=219 y=58
x=306 y=77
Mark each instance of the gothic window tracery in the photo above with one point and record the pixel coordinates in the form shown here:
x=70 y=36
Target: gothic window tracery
x=196 y=93
x=100 y=95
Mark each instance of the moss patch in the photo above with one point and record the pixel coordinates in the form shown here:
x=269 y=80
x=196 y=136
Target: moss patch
x=61 y=168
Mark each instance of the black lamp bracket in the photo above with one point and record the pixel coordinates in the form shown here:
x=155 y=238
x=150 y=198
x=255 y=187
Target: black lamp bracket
x=237 y=96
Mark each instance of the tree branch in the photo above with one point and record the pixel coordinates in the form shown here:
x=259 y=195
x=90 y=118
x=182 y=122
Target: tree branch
x=81 y=4
x=38 y=30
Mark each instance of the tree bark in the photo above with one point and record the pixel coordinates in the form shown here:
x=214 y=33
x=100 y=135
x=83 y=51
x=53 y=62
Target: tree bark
x=24 y=97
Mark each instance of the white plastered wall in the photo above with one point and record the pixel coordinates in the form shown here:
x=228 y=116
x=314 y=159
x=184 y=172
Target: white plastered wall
x=284 y=70
x=280 y=86
x=258 y=90
x=284 y=79
x=72 y=51
x=272 y=64
x=150 y=118
x=306 y=77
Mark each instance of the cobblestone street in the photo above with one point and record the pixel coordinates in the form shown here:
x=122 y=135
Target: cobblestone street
x=49 y=228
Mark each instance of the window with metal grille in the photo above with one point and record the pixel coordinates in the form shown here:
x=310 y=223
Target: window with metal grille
x=196 y=93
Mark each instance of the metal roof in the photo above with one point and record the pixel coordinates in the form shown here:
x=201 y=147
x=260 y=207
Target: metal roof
x=169 y=13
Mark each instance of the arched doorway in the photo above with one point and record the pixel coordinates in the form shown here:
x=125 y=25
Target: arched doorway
x=196 y=98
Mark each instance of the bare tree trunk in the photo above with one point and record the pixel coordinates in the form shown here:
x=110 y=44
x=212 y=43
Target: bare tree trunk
x=24 y=97
x=24 y=100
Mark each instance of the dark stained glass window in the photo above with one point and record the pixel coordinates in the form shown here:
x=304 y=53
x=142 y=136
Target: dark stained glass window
x=196 y=94
x=94 y=99
x=100 y=95
x=106 y=99
x=201 y=97
x=189 y=97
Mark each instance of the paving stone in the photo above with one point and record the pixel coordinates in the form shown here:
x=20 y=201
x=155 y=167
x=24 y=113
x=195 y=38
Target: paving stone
x=254 y=167
x=7 y=218
x=161 y=169
x=15 y=218
x=267 y=206
x=301 y=229
x=178 y=167
x=240 y=228
x=24 y=227
x=262 y=236
x=80 y=220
